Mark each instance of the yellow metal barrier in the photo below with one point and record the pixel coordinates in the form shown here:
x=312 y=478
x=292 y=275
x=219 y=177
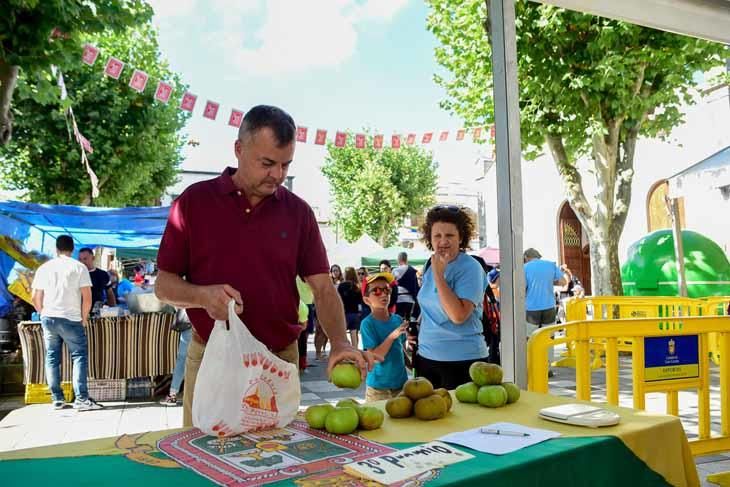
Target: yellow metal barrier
x=586 y=332
x=620 y=307
x=617 y=307
x=715 y=306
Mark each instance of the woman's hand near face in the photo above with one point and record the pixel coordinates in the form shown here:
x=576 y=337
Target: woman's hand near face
x=438 y=264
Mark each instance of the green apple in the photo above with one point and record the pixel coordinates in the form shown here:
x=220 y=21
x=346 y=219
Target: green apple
x=371 y=418
x=513 y=392
x=348 y=403
x=467 y=392
x=485 y=374
x=492 y=396
x=347 y=376
x=316 y=415
x=342 y=421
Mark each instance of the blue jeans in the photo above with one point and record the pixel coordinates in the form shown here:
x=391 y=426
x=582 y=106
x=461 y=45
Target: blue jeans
x=56 y=332
x=182 y=353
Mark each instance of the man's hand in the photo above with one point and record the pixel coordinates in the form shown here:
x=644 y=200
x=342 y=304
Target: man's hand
x=216 y=299
x=344 y=352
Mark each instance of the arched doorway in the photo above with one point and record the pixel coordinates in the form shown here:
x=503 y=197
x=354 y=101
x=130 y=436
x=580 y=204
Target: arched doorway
x=573 y=246
x=657 y=215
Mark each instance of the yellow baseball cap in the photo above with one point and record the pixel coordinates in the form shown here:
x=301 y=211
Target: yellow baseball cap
x=380 y=275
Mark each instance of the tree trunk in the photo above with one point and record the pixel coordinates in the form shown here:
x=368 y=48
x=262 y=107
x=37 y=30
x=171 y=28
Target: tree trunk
x=613 y=169
x=8 y=79
x=605 y=267
x=603 y=221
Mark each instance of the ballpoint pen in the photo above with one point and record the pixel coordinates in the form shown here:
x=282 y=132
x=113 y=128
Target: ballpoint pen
x=489 y=431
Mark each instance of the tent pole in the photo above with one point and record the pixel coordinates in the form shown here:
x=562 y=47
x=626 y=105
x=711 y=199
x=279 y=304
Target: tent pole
x=673 y=205
x=509 y=188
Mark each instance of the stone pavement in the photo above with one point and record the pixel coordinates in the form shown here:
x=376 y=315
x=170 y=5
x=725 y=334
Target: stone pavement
x=38 y=425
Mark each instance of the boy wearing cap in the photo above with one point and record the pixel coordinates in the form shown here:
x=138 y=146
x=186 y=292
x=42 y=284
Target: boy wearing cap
x=383 y=333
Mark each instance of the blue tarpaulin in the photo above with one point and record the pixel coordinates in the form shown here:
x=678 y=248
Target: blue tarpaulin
x=36 y=227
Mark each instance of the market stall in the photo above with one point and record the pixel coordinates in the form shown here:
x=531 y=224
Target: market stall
x=28 y=232
x=138 y=347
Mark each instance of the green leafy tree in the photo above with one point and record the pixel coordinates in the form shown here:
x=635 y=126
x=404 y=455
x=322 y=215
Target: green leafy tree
x=37 y=33
x=136 y=140
x=375 y=189
x=589 y=87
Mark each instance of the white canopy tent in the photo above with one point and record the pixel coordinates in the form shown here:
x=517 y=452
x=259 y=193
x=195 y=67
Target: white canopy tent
x=707 y=19
x=347 y=254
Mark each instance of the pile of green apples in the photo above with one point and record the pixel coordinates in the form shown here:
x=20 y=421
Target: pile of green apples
x=344 y=417
x=348 y=414
x=418 y=398
x=487 y=387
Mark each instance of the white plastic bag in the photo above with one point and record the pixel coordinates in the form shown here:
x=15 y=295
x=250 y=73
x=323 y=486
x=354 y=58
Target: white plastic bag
x=242 y=386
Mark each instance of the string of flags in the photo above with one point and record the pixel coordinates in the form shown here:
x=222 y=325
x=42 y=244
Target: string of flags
x=163 y=92
x=83 y=142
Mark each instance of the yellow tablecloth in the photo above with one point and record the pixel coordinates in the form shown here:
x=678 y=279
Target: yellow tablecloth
x=658 y=440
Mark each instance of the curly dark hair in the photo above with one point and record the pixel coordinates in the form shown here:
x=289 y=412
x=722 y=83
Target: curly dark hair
x=449 y=214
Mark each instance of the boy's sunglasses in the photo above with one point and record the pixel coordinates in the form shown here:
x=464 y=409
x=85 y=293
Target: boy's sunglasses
x=379 y=291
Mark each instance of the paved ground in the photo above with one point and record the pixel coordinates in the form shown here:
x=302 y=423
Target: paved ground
x=37 y=425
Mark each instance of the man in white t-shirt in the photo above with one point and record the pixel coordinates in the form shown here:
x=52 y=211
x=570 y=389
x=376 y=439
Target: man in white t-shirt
x=62 y=296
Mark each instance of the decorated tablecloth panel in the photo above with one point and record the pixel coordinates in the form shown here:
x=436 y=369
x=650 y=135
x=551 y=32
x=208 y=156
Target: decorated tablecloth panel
x=119 y=348
x=267 y=456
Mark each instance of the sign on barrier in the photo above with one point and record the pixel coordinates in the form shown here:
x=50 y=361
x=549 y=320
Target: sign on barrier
x=672 y=357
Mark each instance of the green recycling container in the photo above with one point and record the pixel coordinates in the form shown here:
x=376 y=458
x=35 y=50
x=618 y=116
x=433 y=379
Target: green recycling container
x=651 y=269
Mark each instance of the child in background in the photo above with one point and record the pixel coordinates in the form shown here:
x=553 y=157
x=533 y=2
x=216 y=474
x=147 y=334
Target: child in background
x=384 y=334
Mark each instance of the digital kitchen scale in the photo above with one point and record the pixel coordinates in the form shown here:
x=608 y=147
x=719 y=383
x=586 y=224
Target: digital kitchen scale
x=580 y=415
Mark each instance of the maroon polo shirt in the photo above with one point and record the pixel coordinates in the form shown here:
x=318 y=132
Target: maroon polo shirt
x=214 y=236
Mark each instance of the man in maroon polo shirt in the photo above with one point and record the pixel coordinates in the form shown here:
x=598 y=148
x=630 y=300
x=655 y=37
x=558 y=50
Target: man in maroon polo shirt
x=244 y=236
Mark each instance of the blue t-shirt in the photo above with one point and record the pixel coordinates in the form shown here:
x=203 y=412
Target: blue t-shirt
x=391 y=372
x=539 y=277
x=124 y=287
x=493 y=275
x=441 y=339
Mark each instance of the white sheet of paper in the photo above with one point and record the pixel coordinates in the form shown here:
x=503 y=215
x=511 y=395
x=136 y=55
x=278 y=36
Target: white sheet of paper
x=499 y=444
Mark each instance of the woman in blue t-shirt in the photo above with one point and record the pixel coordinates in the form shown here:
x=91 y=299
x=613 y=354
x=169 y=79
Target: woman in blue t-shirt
x=450 y=337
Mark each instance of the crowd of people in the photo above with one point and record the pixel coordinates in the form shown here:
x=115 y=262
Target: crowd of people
x=439 y=320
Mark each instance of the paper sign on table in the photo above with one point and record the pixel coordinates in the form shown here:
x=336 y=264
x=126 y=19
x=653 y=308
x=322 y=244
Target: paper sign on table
x=402 y=464
x=499 y=444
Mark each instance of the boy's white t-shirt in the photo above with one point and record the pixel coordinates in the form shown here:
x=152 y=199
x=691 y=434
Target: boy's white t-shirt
x=61 y=280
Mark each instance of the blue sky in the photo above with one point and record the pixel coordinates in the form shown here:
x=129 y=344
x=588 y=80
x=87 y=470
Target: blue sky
x=333 y=64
